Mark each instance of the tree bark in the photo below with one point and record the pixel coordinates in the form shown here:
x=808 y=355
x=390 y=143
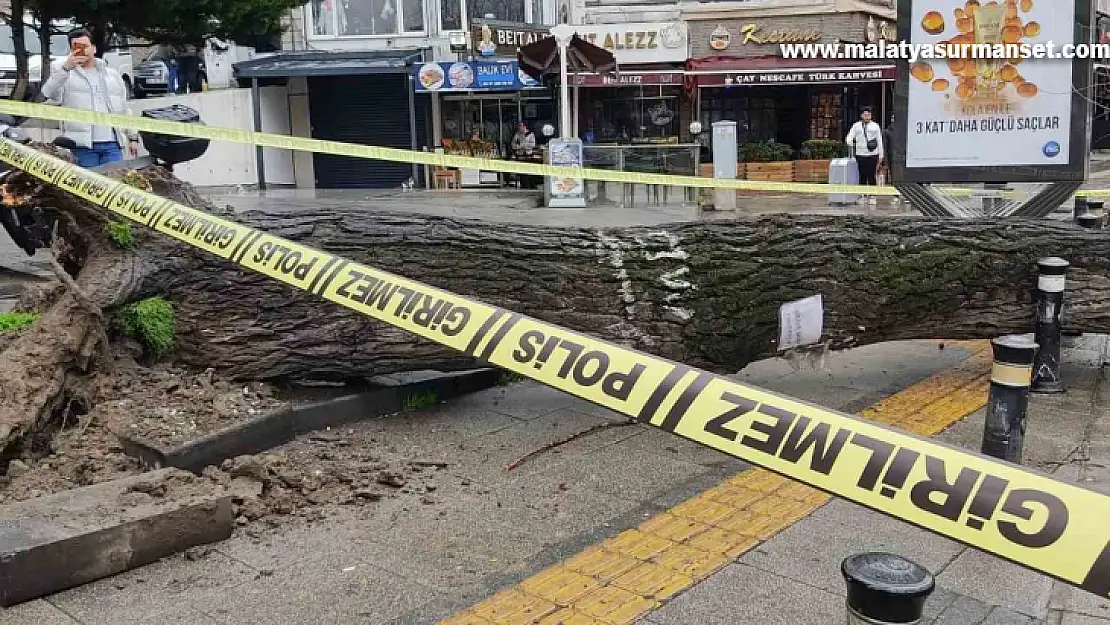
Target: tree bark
x=706 y=294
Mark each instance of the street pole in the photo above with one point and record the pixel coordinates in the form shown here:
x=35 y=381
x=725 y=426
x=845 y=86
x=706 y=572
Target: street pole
x=1008 y=399
x=1050 y=303
x=562 y=34
x=884 y=589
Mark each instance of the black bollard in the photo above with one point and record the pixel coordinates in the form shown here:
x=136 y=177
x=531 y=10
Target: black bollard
x=1050 y=305
x=1080 y=207
x=1090 y=221
x=884 y=588
x=1098 y=209
x=1011 y=375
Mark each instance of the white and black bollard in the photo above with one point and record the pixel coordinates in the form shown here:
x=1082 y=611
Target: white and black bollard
x=1097 y=208
x=884 y=589
x=1011 y=375
x=1090 y=221
x=1079 y=208
x=1052 y=273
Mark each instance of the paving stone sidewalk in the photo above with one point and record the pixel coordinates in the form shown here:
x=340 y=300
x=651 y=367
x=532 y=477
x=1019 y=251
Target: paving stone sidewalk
x=405 y=562
x=794 y=579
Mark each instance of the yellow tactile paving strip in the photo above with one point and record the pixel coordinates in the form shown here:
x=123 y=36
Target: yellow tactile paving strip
x=634 y=572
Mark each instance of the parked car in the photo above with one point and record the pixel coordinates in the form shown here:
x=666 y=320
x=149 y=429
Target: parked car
x=152 y=77
x=118 y=55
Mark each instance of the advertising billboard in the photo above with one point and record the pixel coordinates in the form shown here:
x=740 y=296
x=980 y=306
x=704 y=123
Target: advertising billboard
x=966 y=115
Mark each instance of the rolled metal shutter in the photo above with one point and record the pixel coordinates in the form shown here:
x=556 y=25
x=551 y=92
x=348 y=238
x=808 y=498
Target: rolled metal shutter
x=371 y=110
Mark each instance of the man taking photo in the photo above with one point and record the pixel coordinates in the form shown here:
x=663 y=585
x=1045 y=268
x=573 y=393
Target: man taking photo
x=82 y=81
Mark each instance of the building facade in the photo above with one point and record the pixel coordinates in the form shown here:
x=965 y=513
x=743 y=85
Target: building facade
x=354 y=71
x=442 y=75
x=738 y=73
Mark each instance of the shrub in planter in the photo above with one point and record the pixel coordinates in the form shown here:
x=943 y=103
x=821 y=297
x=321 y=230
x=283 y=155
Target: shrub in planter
x=766 y=152
x=823 y=150
x=768 y=161
x=816 y=155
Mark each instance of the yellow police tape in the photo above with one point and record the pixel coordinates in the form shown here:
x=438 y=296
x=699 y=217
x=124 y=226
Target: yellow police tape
x=55 y=113
x=1049 y=526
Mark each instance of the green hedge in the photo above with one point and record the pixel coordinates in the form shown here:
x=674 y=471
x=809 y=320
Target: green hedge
x=823 y=149
x=766 y=152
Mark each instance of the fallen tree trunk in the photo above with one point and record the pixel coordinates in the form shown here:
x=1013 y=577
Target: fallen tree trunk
x=707 y=294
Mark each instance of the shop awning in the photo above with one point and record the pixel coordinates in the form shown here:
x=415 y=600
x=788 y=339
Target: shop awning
x=314 y=63
x=732 y=71
x=542 y=57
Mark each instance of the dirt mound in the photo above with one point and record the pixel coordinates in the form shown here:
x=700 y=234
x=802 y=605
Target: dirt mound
x=165 y=404
x=320 y=469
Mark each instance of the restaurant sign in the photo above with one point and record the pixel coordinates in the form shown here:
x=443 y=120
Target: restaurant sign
x=640 y=42
x=758 y=34
x=631 y=42
x=797 y=77
x=490 y=40
x=627 y=79
x=471 y=76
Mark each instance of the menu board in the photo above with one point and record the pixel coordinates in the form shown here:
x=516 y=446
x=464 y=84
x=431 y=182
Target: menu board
x=566 y=192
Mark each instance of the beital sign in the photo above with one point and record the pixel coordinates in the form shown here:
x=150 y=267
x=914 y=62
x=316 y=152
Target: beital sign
x=629 y=42
x=492 y=40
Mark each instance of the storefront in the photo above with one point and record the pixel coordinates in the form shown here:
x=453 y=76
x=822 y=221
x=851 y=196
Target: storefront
x=736 y=73
x=645 y=102
x=1100 y=88
x=480 y=103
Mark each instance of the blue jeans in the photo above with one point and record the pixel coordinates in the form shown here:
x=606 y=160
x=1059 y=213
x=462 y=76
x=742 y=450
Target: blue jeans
x=101 y=152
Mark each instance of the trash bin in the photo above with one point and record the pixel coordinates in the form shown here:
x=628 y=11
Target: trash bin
x=172 y=149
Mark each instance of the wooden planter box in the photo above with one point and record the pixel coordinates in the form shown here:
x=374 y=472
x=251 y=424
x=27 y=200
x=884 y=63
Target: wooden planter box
x=811 y=171
x=771 y=172
x=707 y=171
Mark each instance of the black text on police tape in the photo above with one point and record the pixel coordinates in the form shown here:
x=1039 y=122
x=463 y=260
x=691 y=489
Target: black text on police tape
x=587 y=368
x=287 y=260
x=199 y=228
x=88 y=186
x=136 y=205
x=426 y=310
x=791 y=437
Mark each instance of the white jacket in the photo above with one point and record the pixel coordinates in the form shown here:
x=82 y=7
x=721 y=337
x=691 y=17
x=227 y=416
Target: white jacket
x=858 y=137
x=72 y=89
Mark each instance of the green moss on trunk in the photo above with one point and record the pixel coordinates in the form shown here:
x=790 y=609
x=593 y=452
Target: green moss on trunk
x=16 y=321
x=151 y=322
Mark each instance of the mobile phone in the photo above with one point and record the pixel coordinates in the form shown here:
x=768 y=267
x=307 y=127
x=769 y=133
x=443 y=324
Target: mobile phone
x=79 y=49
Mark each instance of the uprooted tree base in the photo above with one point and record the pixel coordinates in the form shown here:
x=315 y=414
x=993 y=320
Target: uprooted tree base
x=707 y=293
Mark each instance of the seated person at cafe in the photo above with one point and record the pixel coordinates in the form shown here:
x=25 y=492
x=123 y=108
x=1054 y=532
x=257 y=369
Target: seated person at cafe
x=524 y=142
x=523 y=145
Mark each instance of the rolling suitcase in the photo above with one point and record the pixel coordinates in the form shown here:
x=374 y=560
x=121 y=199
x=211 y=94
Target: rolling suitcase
x=843 y=171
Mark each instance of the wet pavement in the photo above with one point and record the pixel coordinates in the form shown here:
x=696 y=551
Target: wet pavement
x=402 y=561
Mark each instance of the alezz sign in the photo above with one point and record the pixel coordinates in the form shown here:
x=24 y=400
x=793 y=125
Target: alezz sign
x=639 y=43
x=970 y=113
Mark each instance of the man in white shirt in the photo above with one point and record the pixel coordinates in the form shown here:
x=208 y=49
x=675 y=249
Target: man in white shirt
x=866 y=140
x=85 y=82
